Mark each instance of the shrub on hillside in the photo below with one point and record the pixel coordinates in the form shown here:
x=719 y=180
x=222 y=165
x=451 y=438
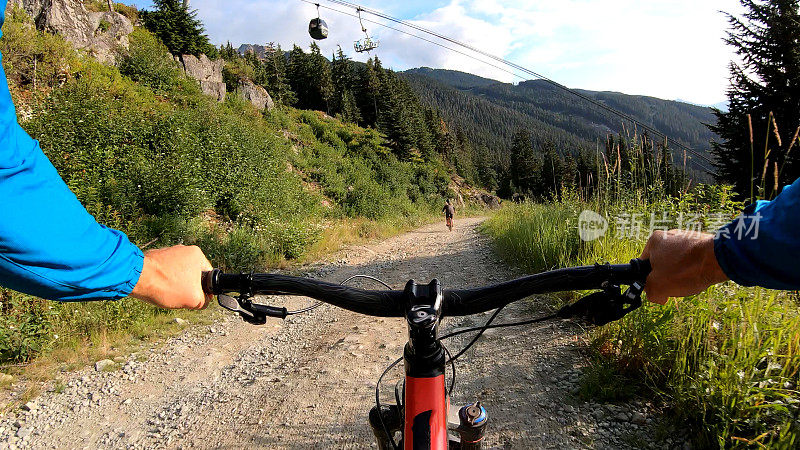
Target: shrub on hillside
x=31 y=57
x=148 y=61
x=117 y=146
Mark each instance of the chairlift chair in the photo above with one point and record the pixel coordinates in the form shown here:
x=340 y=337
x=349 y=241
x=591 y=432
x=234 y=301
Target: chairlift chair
x=367 y=44
x=317 y=28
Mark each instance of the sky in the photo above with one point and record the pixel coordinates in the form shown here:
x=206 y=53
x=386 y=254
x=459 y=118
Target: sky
x=671 y=49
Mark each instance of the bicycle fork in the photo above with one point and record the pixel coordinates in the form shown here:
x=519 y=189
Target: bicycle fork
x=470 y=427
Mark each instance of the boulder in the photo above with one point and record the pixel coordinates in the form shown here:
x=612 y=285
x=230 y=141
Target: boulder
x=104 y=365
x=488 y=200
x=491 y=201
x=99 y=33
x=205 y=71
x=256 y=95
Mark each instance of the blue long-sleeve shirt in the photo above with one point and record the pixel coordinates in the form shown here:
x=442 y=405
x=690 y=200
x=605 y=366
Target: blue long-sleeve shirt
x=762 y=246
x=49 y=245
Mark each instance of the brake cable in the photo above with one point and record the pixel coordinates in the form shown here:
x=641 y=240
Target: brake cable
x=500 y=325
x=482 y=329
x=378 y=401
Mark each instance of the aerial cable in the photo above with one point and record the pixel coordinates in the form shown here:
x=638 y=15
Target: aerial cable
x=554 y=83
x=498 y=67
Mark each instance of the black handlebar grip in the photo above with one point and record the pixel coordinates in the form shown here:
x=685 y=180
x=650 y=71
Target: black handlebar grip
x=642 y=267
x=208 y=281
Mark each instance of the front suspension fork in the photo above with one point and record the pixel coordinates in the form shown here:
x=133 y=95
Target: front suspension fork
x=470 y=427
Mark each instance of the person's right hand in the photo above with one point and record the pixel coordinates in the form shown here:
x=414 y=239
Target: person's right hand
x=683 y=263
x=171 y=278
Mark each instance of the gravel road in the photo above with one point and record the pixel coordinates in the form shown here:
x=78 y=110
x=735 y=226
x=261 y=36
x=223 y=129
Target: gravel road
x=308 y=382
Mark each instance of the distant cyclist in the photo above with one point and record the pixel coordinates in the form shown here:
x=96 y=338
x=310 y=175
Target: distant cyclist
x=449 y=212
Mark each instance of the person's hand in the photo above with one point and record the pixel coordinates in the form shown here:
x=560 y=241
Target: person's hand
x=683 y=264
x=171 y=278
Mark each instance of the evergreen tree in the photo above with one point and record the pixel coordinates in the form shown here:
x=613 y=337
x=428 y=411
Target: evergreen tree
x=322 y=81
x=370 y=85
x=765 y=85
x=310 y=78
x=348 y=108
x=300 y=73
x=486 y=168
x=277 y=83
x=525 y=165
x=227 y=52
x=344 y=80
x=178 y=28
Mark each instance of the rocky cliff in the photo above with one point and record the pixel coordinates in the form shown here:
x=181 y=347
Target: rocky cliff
x=259 y=50
x=99 y=33
x=207 y=72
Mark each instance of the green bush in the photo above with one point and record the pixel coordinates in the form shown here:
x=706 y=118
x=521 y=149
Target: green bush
x=32 y=57
x=149 y=62
x=25 y=326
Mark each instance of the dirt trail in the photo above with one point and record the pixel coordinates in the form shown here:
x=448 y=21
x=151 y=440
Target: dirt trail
x=309 y=382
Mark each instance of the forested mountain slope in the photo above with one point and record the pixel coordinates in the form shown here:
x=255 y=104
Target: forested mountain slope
x=490 y=112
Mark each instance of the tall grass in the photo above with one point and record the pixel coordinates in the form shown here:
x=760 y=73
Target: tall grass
x=536 y=237
x=726 y=361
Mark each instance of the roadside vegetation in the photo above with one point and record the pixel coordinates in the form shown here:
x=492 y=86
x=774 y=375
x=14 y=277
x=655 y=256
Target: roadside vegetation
x=725 y=361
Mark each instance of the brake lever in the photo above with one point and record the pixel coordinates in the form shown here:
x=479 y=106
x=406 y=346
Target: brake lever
x=607 y=305
x=250 y=312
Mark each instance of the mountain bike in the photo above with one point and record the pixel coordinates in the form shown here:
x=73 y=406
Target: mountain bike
x=420 y=414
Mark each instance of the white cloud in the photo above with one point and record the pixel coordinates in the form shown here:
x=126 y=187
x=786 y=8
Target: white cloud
x=669 y=49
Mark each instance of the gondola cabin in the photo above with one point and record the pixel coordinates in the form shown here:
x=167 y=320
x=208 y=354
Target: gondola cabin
x=318 y=29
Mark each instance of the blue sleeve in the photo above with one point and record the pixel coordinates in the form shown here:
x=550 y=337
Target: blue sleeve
x=49 y=245
x=762 y=246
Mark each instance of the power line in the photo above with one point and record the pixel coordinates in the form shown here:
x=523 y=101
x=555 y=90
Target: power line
x=587 y=98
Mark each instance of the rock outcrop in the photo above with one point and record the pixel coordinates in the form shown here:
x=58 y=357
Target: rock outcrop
x=256 y=95
x=460 y=190
x=205 y=71
x=490 y=201
x=99 y=33
x=259 y=50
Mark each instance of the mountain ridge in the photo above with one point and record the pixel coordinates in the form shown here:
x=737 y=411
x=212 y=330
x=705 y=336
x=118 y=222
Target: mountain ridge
x=490 y=112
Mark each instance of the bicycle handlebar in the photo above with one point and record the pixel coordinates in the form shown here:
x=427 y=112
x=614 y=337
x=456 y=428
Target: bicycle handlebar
x=373 y=303
x=459 y=302
x=473 y=301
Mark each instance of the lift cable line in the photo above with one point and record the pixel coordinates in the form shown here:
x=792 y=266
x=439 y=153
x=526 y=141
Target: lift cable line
x=537 y=75
x=498 y=67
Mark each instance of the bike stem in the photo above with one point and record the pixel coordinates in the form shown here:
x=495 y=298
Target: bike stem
x=423 y=355
x=425 y=404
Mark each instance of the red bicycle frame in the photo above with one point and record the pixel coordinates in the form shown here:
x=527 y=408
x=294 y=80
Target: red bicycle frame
x=425 y=410
x=425 y=406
